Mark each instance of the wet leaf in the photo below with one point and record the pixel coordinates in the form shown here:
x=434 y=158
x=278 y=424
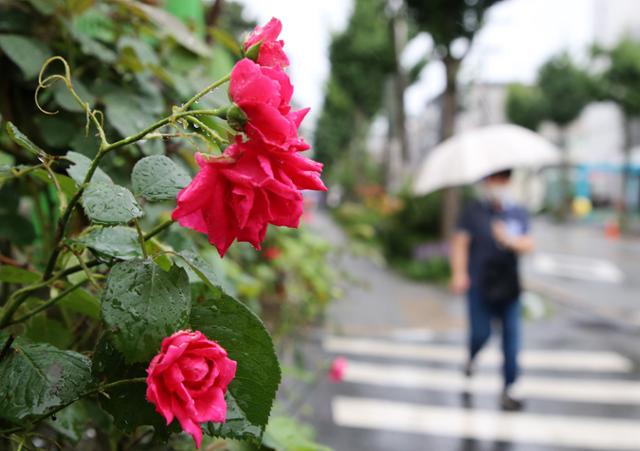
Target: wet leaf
x=116 y=242
x=142 y=304
x=27 y=53
x=38 y=378
x=158 y=178
x=23 y=141
x=80 y=166
x=106 y=203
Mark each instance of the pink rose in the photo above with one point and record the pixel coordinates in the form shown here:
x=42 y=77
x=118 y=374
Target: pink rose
x=337 y=369
x=271 y=53
x=235 y=196
x=188 y=379
x=264 y=95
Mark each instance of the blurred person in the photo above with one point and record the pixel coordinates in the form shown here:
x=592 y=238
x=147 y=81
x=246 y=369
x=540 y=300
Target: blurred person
x=491 y=233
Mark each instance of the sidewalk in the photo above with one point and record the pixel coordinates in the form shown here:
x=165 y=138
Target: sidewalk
x=380 y=302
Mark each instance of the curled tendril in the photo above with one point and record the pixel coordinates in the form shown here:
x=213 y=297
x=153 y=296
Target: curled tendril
x=65 y=77
x=46 y=82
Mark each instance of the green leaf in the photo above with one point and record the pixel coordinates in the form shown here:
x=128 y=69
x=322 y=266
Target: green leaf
x=236 y=426
x=36 y=379
x=75 y=420
x=12 y=274
x=67 y=185
x=158 y=178
x=23 y=141
x=17 y=229
x=106 y=203
x=80 y=166
x=199 y=269
x=286 y=433
x=113 y=242
x=29 y=54
x=142 y=304
x=58 y=131
x=46 y=7
x=47 y=330
x=242 y=334
x=83 y=302
x=129 y=113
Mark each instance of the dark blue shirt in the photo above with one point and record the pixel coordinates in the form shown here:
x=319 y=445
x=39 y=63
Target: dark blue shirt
x=476 y=219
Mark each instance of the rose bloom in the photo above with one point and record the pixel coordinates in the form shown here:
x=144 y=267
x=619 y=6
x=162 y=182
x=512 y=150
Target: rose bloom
x=235 y=196
x=264 y=95
x=271 y=52
x=188 y=379
x=337 y=369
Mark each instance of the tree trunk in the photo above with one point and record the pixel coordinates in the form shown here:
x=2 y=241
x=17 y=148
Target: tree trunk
x=564 y=207
x=451 y=196
x=623 y=213
x=399 y=34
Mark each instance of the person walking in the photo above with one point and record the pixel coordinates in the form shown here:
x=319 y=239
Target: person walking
x=491 y=233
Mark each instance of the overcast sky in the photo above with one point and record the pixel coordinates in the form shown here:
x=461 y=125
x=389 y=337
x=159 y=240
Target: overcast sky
x=518 y=36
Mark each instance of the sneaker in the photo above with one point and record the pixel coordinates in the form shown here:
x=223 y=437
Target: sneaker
x=510 y=404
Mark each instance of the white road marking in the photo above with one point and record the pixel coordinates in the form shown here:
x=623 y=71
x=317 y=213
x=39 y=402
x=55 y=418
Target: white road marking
x=574 y=267
x=578 y=390
x=553 y=430
x=546 y=359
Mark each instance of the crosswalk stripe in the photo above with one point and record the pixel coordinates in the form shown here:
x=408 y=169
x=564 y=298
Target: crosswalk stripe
x=609 y=391
x=575 y=360
x=580 y=432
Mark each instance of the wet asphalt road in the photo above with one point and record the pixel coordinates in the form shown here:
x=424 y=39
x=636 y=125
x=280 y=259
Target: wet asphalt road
x=405 y=344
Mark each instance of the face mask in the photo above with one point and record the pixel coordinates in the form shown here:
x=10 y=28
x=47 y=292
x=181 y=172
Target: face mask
x=498 y=193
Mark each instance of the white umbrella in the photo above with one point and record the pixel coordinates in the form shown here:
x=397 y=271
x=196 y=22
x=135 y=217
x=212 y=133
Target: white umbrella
x=469 y=156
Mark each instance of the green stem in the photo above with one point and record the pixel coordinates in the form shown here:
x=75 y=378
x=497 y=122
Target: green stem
x=19 y=296
x=157 y=229
x=204 y=92
x=90 y=392
x=66 y=216
x=47 y=304
x=141 y=239
x=220 y=112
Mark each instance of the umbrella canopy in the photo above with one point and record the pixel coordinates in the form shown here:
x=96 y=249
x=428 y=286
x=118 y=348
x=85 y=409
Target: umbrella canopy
x=470 y=156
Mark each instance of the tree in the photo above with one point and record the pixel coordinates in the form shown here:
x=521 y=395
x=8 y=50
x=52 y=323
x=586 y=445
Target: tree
x=525 y=106
x=361 y=60
x=448 y=22
x=567 y=90
x=620 y=82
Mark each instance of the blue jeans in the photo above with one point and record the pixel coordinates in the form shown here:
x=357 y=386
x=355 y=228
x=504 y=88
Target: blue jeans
x=480 y=317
